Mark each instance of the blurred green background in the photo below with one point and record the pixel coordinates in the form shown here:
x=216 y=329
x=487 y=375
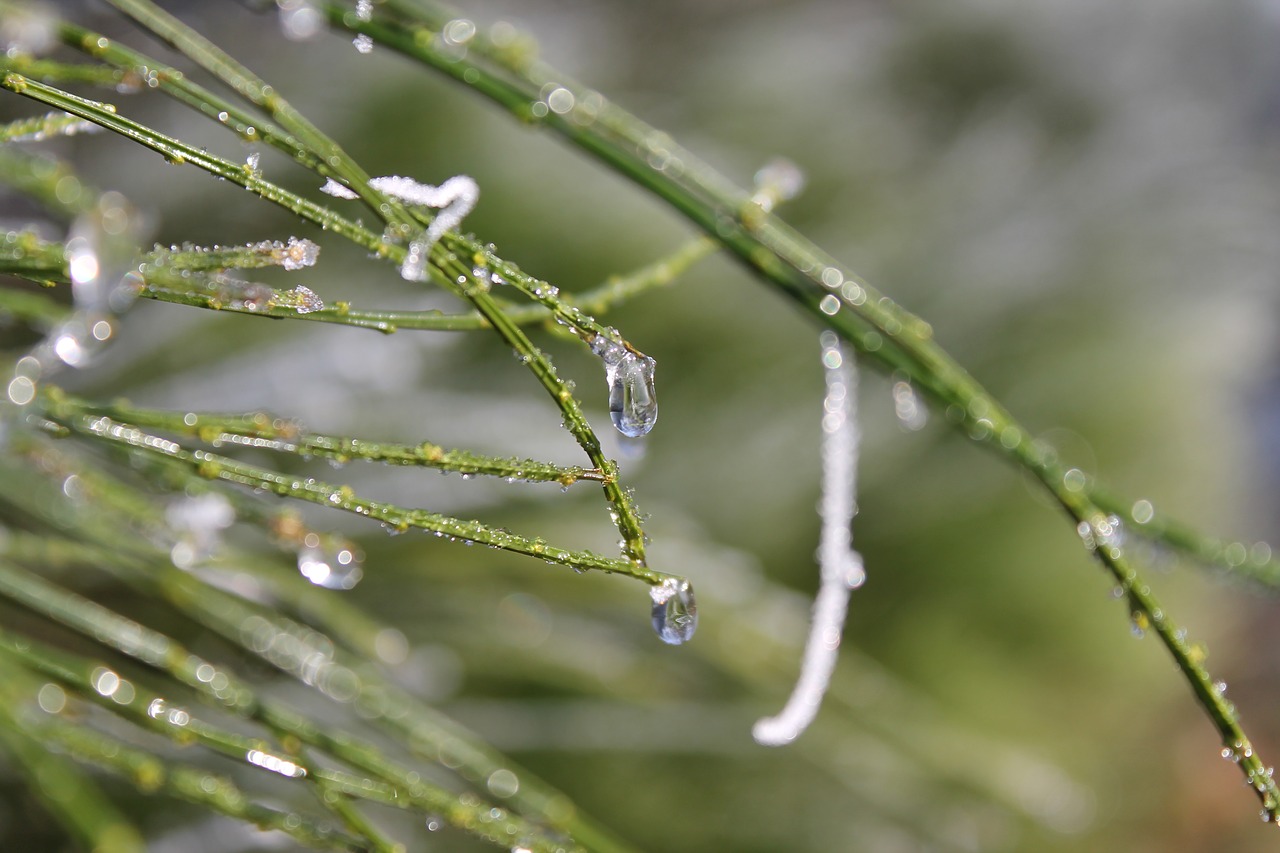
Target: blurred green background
x=1081 y=197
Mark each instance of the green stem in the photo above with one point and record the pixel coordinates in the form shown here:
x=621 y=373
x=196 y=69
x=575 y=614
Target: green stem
x=261 y=430
x=215 y=466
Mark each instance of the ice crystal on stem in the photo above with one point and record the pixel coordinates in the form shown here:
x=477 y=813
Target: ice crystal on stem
x=455 y=198
x=841 y=566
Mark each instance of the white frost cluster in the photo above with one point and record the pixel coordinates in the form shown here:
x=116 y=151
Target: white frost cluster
x=455 y=198
x=841 y=566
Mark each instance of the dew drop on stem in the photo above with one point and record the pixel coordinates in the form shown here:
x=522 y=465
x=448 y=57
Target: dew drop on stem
x=633 y=401
x=675 y=611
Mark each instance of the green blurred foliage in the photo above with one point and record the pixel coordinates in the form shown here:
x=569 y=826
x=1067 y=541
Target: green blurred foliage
x=1080 y=197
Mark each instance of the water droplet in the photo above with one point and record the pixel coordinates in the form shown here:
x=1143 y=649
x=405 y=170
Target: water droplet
x=633 y=401
x=830 y=304
x=675 y=610
x=333 y=567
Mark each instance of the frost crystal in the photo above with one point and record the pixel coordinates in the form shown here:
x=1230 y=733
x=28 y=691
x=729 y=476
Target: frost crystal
x=455 y=198
x=297 y=254
x=841 y=566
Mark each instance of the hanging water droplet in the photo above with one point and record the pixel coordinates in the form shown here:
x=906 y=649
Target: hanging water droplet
x=633 y=401
x=333 y=567
x=675 y=611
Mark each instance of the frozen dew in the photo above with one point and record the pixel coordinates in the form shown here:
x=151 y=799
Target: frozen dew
x=364 y=10
x=633 y=400
x=675 y=610
x=841 y=566
x=251 y=166
x=301 y=299
x=299 y=253
x=337 y=190
x=332 y=566
x=455 y=198
x=363 y=43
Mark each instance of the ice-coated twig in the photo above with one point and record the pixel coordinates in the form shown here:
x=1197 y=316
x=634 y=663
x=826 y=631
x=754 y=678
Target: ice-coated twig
x=455 y=198
x=841 y=566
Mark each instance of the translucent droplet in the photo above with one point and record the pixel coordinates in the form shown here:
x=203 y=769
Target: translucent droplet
x=675 y=611
x=633 y=401
x=332 y=567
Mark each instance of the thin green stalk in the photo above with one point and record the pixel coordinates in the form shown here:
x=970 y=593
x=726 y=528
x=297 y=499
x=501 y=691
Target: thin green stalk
x=49 y=181
x=64 y=788
x=624 y=513
x=85 y=811
x=39 y=128
x=84 y=676
x=224 y=689
x=36 y=309
x=418 y=728
x=332 y=159
x=51 y=71
x=263 y=431
x=215 y=466
x=1254 y=561
x=179 y=153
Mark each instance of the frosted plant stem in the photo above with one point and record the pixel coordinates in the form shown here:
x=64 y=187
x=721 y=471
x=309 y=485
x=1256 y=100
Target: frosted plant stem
x=841 y=566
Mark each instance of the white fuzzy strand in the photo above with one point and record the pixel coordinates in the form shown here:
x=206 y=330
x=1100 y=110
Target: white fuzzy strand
x=841 y=566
